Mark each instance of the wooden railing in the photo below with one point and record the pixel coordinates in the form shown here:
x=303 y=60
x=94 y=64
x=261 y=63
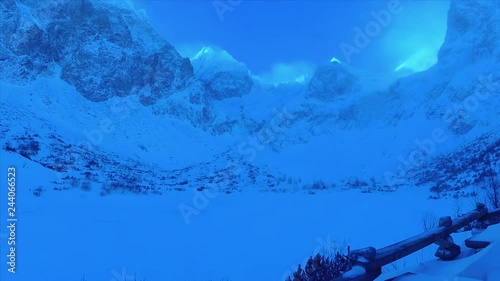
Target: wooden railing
x=372 y=260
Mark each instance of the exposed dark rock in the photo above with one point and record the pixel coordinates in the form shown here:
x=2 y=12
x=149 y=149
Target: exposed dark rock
x=467 y=19
x=102 y=49
x=447 y=250
x=330 y=81
x=445 y=221
x=227 y=84
x=222 y=76
x=448 y=254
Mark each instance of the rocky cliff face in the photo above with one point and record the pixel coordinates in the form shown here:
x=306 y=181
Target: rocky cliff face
x=24 y=48
x=460 y=88
x=101 y=48
x=227 y=84
x=330 y=81
x=458 y=92
x=222 y=76
x=472 y=34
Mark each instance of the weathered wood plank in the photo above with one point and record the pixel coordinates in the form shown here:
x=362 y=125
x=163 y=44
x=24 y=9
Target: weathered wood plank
x=479 y=241
x=493 y=215
x=394 y=252
x=406 y=247
x=476 y=244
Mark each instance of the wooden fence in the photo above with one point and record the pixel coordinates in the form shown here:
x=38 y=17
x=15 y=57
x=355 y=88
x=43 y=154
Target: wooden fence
x=372 y=260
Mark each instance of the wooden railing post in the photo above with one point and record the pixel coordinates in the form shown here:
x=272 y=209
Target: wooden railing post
x=479 y=225
x=447 y=250
x=372 y=260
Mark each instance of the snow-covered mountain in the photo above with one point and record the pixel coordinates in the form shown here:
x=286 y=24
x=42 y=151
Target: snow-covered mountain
x=102 y=49
x=332 y=80
x=339 y=117
x=222 y=76
x=94 y=102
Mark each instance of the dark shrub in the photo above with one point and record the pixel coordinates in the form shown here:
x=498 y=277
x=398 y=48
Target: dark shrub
x=86 y=186
x=29 y=148
x=38 y=191
x=322 y=268
x=9 y=147
x=318 y=185
x=441 y=187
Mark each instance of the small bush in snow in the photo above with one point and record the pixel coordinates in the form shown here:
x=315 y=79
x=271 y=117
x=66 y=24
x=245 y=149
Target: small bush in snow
x=492 y=187
x=441 y=187
x=29 y=147
x=429 y=221
x=322 y=268
x=38 y=191
x=126 y=184
x=74 y=182
x=9 y=147
x=318 y=185
x=86 y=186
x=355 y=183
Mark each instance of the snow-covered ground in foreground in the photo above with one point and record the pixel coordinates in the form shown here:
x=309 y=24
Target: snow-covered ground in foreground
x=64 y=236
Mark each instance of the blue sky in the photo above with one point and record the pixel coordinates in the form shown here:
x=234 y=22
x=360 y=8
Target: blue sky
x=271 y=37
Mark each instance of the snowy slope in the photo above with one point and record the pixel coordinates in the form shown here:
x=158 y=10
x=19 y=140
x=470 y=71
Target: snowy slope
x=368 y=129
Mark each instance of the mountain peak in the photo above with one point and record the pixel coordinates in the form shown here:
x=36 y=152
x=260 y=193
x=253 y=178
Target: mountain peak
x=102 y=49
x=210 y=56
x=222 y=75
x=472 y=34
